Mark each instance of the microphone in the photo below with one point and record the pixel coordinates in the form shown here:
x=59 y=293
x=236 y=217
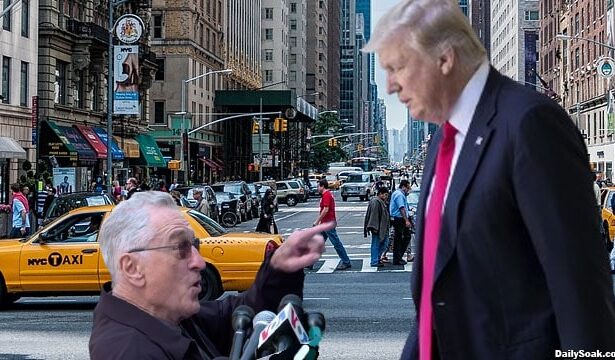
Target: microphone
x=242 y=317
x=285 y=330
x=316 y=322
x=261 y=320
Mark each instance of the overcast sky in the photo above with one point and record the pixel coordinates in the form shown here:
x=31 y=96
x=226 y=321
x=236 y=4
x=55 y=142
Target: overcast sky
x=396 y=112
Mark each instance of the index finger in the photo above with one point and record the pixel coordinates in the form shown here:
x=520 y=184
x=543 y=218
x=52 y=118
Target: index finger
x=318 y=229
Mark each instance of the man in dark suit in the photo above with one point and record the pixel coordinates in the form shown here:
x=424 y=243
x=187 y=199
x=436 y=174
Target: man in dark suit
x=509 y=263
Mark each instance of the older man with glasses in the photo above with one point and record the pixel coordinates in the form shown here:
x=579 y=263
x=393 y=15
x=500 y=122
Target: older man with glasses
x=153 y=311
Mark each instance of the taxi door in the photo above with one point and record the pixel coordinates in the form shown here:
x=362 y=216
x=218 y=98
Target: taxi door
x=63 y=257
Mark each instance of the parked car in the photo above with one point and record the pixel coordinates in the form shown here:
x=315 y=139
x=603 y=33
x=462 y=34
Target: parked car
x=208 y=195
x=289 y=192
x=306 y=189
x=608 y=216
x=64 y=258
x=66 y=202
x=334 y=184
x=359 y=185
x=241 y=189
x=314 y=188
x=257 y=196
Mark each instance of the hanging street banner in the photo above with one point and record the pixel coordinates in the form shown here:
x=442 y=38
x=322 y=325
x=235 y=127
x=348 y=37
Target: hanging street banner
x=126 y=80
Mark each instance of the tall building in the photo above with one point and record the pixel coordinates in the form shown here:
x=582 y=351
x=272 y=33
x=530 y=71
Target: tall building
x=242 y=40
x=18 y=89
x=297 y=48
x=274 y=44
x=348 y=60
x=317 y=53
x=515 y=30
x=184 y=53
x=333 y=54
x=479 y=13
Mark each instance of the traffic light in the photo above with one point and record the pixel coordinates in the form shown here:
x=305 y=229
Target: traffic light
x=331 y=142
x=255 y=127
x=277 y=124
x=284 y=125
x=360 y=147
x=250 y=167
x=334 y=142
x=174 y=164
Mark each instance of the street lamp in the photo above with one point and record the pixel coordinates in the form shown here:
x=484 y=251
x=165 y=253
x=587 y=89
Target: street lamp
x=184 y=85
x=327 y=112
x=570 y=37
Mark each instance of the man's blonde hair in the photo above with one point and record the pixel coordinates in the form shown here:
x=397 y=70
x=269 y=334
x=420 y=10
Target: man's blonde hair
x=430 y=27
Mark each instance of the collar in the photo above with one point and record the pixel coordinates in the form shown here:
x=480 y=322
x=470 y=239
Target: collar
x=464 y=108
x=125 y=313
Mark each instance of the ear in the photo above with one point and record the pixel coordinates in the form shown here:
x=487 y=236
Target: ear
x=132 y=269
x=446 y=61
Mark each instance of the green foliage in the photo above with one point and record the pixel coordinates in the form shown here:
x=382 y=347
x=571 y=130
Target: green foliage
x=322 y=154
x=27 y=166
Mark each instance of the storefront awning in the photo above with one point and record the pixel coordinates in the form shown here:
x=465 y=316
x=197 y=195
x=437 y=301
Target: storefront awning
x=85 y=153
x=116 y=153
x=90 y=136
x=130 y=147
x=218 y=162
x=10 y=149
x=56 y=146
x=150 y=153
x=211 y=164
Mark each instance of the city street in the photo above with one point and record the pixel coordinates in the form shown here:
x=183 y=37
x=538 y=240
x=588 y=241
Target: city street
x=368 y=313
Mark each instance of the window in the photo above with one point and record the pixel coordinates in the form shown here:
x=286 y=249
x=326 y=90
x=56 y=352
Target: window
x=293 y=41
x=157 y=26
x=160 y=71
x=23 y=95
x=531 y=15
x=6 y=79
x=321 y=57
x=293 y=58
x=293 y=8
x=576 y=23
x=95 y=92
x=268 y=55
x=576 y=58
x=293 y=76
x=321 y=4
x=293 y=24
x=158 y=112
x=6 y=22
x=268 y=75
x=25 y=18
x=268 y=34
x=80 y=89
x=60 y=84
x=268 y=13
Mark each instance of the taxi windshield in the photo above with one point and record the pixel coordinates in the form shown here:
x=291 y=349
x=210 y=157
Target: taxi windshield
x=212 y=227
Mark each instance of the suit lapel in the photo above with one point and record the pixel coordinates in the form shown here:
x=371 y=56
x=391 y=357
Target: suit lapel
x=475 y=143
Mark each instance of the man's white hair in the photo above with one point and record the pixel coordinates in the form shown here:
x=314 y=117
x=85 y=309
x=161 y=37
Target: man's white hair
x=430 y=27
x=129 y=226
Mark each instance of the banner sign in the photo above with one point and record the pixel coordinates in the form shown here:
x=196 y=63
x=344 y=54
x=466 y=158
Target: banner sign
x=126 y=80
x=64 y=180
x=34 y=119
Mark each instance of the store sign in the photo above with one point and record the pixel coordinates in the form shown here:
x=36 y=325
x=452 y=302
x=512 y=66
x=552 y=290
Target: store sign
x=606 y=67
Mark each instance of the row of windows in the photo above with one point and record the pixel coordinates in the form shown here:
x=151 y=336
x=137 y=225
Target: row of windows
x=7 y=19
x=6 y=81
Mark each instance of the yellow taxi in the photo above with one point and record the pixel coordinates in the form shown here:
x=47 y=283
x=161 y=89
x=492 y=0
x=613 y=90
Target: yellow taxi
x=333 y=182
x=608 y=216
x=64 y=257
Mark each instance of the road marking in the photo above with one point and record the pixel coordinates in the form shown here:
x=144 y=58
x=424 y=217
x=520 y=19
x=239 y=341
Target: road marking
x=349 y=227
x=328 y=267
x=315 y=298
x=46 y=301
x=406 y=298
x=317 y=209
x=367 y=266
x=286 y=217
x=408 y=267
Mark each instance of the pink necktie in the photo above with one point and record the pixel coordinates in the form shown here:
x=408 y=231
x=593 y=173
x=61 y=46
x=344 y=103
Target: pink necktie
x=433 y=220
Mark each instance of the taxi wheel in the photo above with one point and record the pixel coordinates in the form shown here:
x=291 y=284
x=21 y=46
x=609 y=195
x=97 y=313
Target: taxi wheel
x=5 y=298
x=211 y=286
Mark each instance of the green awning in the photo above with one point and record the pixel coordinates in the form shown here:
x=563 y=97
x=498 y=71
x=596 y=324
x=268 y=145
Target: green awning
x=150 y=152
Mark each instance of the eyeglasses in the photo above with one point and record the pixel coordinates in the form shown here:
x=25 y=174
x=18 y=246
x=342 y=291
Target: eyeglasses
x=184 y=248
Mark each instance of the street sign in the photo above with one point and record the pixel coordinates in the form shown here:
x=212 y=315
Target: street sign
x=266 y=162
x=264 y=142
x=606 y=67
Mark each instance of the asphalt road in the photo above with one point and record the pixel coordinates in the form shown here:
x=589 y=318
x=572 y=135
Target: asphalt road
x=368 y=311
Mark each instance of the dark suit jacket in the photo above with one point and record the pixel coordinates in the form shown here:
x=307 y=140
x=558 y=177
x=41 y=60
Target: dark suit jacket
x=520 y=269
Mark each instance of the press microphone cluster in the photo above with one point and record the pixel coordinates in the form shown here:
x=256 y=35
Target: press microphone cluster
x=277 y=337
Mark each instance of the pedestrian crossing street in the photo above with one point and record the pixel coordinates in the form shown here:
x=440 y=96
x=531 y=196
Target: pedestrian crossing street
x=328 y=263
x=338 y=209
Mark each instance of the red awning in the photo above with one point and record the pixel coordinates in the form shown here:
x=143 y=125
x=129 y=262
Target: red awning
x=210 y=163
x=90 y=136
x=219 y=163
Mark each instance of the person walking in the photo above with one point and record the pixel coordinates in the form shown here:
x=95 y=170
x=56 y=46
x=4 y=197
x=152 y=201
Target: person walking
x=327 y=214
x=201 y=203
x=508 y=265
x=132 y=186
x=266 y=222
x=399 y=212
x=21 y=222
x=377 y=222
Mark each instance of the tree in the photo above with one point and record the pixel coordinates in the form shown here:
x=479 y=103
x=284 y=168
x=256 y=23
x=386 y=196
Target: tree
x=322 y=154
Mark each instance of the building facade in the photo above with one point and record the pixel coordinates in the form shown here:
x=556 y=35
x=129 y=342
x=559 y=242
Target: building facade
x=317 y=70
x=514 y=32
x=243 y=44
x=333 y=54
x=275 y=58
x=297 y=48
x=18 y=88
x=480 y=15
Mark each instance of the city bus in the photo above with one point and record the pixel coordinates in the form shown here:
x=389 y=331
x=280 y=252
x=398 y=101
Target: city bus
x=365 y=163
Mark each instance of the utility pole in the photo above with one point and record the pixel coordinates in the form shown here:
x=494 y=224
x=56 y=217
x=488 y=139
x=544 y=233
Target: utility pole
x=110 y=60
x=260 y=141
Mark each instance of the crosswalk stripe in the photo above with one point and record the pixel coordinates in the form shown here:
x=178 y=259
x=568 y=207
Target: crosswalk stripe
x=367 y=266
x=328 y=267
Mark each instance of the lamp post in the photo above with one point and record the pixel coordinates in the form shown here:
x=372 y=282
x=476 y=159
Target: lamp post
x=185 y=133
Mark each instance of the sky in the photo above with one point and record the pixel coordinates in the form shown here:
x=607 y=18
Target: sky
x=396 y=111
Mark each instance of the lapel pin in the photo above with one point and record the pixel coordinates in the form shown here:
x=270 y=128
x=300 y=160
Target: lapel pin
x=479 y=140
